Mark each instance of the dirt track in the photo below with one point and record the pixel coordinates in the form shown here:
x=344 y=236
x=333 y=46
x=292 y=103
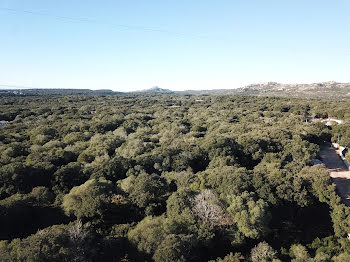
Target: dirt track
x=338 y=171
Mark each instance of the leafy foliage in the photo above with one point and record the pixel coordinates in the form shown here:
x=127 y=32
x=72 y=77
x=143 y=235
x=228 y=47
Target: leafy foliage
x=169 y=177
x=89 y=199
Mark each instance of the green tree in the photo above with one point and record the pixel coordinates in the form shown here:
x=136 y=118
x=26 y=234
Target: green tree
x=14 y=178
x=89 y=199
x=340 y=217
x=175 y=248
x=251 y=216
x=342 y=257
x=67 y=177
x=147 y=189
x=57 y=243
x=232 y=257
x=148 y=234
x=299 y=254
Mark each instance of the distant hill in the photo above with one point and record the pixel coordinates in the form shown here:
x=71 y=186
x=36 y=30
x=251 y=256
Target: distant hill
x=54 y=92
x=208 y=92
x=155 y=90
x=316 y=90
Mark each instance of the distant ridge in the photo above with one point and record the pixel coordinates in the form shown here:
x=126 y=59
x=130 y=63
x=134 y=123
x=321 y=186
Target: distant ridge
x=329 y=89
x=54 y=92
x=155 y=89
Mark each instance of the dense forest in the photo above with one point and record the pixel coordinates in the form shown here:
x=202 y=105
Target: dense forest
x=169 y=177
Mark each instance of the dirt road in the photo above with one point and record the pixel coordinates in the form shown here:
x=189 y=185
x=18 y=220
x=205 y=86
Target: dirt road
x=338 y=171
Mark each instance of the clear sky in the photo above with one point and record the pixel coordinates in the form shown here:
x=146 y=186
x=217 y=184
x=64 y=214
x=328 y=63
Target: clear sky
x=180 y=44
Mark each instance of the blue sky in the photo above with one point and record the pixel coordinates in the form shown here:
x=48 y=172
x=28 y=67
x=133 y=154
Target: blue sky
x=131 y=45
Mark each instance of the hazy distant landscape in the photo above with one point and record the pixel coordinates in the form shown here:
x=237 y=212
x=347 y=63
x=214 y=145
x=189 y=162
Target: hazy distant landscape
x=317 y=90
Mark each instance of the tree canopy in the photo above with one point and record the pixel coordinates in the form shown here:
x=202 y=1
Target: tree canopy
x=169 y=177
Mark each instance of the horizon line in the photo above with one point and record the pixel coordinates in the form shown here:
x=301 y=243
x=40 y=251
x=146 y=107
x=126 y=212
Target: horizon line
x=22 y=87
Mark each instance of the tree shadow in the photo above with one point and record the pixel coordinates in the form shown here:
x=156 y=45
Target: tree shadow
x=292 y=224
x=22 y=221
